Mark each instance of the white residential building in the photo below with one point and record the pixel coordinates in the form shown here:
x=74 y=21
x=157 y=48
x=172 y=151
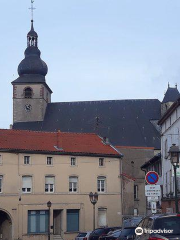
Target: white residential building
x=170 y=123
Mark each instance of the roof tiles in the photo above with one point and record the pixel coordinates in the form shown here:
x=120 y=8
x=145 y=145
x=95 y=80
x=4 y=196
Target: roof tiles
x=55 y=142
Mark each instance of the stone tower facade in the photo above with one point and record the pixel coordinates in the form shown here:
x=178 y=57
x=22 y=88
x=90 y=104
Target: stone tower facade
x=171 y=95
x=31 y=94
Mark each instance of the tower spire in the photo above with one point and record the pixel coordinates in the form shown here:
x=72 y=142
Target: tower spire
x=32 y=11
x=32 y=37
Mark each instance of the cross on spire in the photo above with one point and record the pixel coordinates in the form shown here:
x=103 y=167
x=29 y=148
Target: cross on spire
x=32 y=9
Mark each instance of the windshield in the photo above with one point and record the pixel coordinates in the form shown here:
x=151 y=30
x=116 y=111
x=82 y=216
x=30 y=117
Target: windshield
x=81 y=234
x=127 y=232
x=98 y=231
x=168 y=223
x=116 y=233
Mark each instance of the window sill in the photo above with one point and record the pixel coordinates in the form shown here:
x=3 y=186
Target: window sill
x=31 y=234
x=136 y=199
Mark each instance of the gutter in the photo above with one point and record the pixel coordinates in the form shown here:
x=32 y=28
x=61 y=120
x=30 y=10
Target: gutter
x=61 y=153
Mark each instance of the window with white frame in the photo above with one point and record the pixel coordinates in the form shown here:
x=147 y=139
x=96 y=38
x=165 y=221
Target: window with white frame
x=178 y=184
x=73 y=184
x=101 y=184
x=135 y=212
x=49 y=161
x=73 y=161
x=170 y=181
x=166 y=148
x=102 y=217
x=101 y=162
x=1 y=179
x=166 y=185
x=26 y=184
x=26 y=160
x=49 y=184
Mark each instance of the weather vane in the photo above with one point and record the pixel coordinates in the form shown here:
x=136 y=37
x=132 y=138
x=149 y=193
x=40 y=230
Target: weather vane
x=32 y=9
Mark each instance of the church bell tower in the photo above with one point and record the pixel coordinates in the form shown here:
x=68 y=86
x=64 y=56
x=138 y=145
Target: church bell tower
x=31 y=94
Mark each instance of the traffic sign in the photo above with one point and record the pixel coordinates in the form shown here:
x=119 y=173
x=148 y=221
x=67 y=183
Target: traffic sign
x=153 y=207
x=152 y=190
x=152 y=177
x=153 y=199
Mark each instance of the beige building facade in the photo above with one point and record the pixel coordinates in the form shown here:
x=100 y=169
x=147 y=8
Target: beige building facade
x=29 y=180
x=133 y=182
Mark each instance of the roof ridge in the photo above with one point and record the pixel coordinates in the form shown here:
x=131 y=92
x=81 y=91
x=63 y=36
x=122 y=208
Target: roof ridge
x=109 y=100
x=44 y=132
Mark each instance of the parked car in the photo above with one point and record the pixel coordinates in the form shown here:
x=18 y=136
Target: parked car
x=100 y=232
x=112 y=235
x=131 y=222
x=127 y=233
x=83 y=236
x=159 y=223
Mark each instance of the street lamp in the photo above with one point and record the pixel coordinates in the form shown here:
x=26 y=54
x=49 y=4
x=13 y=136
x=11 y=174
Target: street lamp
x=49 y=206
x=93 y=198
x=174 y=157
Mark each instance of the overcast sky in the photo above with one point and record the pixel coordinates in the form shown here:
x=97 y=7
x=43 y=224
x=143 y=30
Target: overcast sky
x=95 y=49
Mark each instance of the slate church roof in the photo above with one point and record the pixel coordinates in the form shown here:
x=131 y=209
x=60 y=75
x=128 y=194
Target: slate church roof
x=124 y=122
x=171 y=95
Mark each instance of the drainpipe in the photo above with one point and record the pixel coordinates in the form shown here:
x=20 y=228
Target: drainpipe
x=146 y=197
x=122 y=202
x=19 y=191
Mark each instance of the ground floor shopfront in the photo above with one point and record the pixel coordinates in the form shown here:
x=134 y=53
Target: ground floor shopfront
x=168 y=205
x=28 y=217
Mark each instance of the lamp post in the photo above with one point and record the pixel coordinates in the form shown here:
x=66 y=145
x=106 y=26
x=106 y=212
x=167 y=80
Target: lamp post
x=93 y=198
x=49 y=207
x=174 y=157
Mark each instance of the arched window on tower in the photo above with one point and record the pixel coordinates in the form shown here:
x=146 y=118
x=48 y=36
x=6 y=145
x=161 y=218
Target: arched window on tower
x=28 y=92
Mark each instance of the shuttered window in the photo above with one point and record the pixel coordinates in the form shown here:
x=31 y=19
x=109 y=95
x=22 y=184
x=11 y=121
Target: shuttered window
x=102 y=217
x=26 y=184
x=72 y=220
x=38 y=221
x=49 y=184
x=135 y=192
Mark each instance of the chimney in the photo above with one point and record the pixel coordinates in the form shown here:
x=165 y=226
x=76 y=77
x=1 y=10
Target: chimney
x=59 y=141
x=106 y=140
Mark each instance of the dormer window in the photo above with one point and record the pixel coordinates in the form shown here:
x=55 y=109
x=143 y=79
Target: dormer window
x=28 y=92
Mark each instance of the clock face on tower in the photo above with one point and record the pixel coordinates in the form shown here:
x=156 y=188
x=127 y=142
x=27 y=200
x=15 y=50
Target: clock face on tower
x=28 y=107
